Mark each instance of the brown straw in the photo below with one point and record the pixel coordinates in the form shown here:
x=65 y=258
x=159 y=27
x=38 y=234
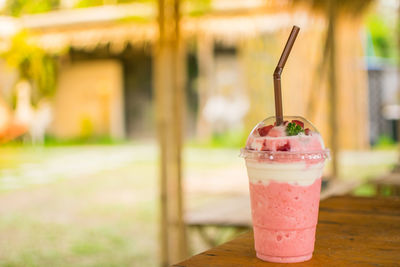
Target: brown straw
x=278 y=72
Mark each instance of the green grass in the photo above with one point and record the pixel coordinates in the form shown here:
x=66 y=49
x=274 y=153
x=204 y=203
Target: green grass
x=385 y=142
x=231 y=139
x=106 y=218
x=50 y=141
x=365 y=190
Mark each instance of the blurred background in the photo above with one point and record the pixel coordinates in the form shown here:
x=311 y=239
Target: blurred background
x=119 y=125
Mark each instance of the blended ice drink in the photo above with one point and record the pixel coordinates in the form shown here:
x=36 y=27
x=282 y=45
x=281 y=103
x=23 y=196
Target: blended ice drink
x=285 y=157
x=284 y=164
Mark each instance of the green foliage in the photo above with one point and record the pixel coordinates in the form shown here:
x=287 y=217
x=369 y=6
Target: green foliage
x=229 y=139
x=370 y=190
x=91 y=3
x=366 y=190
x=293 y=129
x=51 y=141
x=87 y=127
x=34 y=65
x=88 y=3
x=198 y=7
x=385 y=142
x=19 y=7
x=382 y=35
x=136 y=19
x=132 y=1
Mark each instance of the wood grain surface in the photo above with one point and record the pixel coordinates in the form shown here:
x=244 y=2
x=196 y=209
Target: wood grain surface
x=351 y=231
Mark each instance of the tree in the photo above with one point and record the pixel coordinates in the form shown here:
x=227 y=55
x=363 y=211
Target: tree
x=17 y=8
x=33 y=64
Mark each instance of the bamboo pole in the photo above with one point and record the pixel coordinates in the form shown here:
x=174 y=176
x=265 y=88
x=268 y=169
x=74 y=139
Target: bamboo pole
x=318 y=78
x=397 y=167
x=169 y=80
x=333 y=86
x=205 y=58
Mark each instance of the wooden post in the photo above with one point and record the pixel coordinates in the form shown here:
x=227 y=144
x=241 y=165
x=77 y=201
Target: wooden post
x=318 y=78
x=397 y=167
x=205 y=59
x=333 y=86
x=169 y=80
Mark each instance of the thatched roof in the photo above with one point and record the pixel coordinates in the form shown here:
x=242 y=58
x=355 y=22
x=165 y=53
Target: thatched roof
x=136 y=24
x=229 y=29
x=88 y=38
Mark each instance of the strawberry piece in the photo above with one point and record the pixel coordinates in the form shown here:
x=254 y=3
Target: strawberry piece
x=285 y=147
x=300 y=123
x=264 y=130
x=307 y=131
x=264 y=146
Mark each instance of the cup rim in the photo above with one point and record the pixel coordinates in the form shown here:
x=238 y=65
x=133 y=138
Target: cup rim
x=292 y=155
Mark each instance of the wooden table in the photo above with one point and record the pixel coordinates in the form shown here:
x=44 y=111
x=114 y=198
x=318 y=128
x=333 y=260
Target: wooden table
x=351 y=231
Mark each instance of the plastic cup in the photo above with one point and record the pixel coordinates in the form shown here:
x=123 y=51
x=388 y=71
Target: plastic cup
x=285 y=192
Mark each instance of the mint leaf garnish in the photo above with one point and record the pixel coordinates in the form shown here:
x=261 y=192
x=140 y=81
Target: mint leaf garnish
x=293 y=129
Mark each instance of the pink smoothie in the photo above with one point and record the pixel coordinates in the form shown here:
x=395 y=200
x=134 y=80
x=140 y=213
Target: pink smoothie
x=284 y=220
x=284 y=164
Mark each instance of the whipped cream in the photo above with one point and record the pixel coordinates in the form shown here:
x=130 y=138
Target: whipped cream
x=296 y=173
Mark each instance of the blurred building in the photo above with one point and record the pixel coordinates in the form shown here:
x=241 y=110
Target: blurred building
x=105 y=74
x=384 y=110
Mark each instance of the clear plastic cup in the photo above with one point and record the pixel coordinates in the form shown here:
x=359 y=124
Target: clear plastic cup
x=285 y=183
